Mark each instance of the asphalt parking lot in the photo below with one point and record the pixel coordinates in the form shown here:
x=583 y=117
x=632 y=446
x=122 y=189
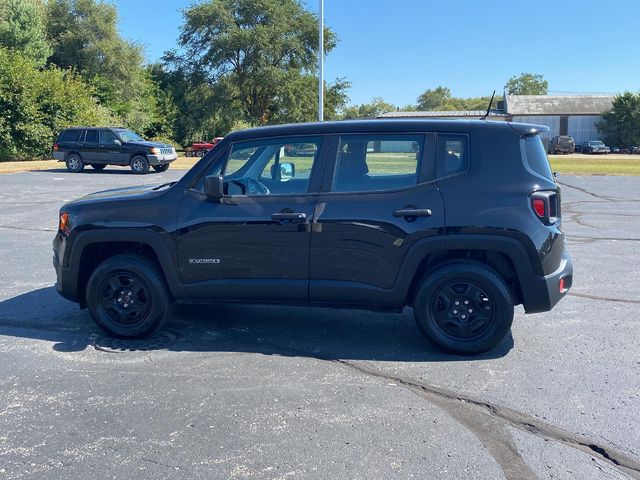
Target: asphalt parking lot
x=276 y=393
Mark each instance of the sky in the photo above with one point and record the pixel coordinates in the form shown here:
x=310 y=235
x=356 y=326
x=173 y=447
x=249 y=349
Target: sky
x=396 y=49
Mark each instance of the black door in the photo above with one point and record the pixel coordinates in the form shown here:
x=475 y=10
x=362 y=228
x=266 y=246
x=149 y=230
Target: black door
x=379 y=203
x=90 y=146
x=111 y=149
x=254 y=243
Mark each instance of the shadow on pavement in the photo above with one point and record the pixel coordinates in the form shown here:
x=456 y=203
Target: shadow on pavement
x=91 y=171
x=270 y=330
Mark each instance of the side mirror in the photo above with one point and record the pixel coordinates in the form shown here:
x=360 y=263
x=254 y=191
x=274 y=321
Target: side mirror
x=287 y=171
x=117 y=142
x=214 y=187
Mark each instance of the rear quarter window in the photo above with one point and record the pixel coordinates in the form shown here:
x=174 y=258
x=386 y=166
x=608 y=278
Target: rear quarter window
x=536 y=156
x=69 y=136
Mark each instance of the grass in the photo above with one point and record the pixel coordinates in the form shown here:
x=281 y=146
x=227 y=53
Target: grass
x=578 y=164
x=575 y=164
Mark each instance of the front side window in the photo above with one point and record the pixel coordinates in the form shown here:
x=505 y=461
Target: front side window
x=377 y=162
x=107 y=137
x=91 y=136
x=271 y=166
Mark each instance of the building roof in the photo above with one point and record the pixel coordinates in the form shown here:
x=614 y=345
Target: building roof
x=441 y=114
x=557 y=104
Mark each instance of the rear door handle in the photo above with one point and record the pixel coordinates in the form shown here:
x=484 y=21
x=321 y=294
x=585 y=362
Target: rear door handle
x=292 y=216
x=412 y=212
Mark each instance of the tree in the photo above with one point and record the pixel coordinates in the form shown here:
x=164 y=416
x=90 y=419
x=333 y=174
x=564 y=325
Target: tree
x=434 y=99
x=22 y=28
x=259 y=56
x=368 y=110
x=527 y=84
x=621 y=125
x=84 y=36
x=36 y=103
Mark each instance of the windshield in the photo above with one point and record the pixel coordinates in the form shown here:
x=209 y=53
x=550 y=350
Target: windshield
x=129 y=136
x=596 y=143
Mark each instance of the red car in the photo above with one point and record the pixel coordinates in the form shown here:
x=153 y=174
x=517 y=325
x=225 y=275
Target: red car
x=199 y=149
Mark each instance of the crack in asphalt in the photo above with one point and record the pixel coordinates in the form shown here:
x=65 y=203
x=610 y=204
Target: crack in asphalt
x=160 y=464
x=466 y=409
x=488 y=422
x=601 y=197
x=604 y=299
x=27 y=229
x=595 y=239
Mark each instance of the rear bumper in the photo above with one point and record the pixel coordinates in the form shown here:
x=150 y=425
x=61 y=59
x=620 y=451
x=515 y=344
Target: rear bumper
x=58 y=156
x=541 y=294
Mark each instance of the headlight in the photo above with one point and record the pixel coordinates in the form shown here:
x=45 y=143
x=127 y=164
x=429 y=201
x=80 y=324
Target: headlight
x=155 y=151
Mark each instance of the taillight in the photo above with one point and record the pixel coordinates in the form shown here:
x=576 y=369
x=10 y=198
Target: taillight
x=539 y=207
x=546 y=206
x=55 y=147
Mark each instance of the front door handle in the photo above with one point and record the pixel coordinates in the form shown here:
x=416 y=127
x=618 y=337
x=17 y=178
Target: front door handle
x=412 y=212
x=291 y=216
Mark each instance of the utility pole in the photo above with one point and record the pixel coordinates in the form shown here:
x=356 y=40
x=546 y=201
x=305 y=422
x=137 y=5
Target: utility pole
x=321 y=63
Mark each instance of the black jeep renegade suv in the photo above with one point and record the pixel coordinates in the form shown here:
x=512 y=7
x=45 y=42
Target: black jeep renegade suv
x=99 y=147
x=458 y=219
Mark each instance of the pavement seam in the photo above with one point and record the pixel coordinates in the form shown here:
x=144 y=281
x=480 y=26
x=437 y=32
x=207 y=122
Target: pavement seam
x=519 y=420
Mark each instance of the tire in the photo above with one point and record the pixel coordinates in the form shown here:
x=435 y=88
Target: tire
x=128 y=296
x=489 y=300
x=74 y=163
x=161 y=168
x=139 y=164
x=98 y=166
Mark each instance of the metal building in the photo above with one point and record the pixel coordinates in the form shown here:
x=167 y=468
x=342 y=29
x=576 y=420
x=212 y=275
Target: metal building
x=574 y=115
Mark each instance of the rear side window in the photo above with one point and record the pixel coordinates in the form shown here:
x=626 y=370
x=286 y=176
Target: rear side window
x=91 y=136
x=453 y=154
x=536 y=156
x=377 y=162
x=70 y=136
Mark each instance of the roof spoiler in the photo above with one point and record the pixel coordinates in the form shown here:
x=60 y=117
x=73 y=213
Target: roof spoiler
x=528 y=129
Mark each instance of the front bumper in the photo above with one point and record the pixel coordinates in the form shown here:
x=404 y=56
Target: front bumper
x=161 y=159
x=66 y=279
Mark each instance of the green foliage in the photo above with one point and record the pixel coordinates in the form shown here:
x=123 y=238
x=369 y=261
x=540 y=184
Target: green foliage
x=434 y=99
x=36 y=104
x=440 y=99
x=22 y=29
x=84 y=35
x=257 y=57
x=621 y=126
x=368 y=110
x=527 y=84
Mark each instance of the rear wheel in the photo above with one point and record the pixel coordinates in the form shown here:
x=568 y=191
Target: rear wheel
x=74 y=163
x=140 y=164
x=98 y=166
x=464 y=308
x=161 y=168
x=127 y=296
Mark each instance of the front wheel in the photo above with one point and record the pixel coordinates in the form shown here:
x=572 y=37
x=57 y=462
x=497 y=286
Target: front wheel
x=161 y=168
x=464 y=308
x=139 y=164
x=127 y=296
